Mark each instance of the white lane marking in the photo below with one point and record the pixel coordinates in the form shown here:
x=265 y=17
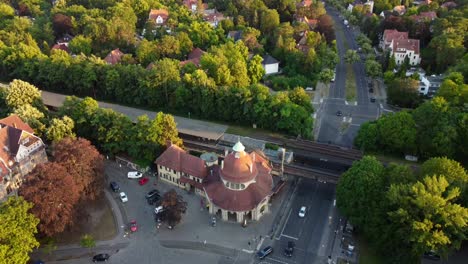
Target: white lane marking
x=247 y=251
x=295 y=238
x=344 y=119
x=260 y=244
x=276 y=260
x=381 y=106
x=287 y=219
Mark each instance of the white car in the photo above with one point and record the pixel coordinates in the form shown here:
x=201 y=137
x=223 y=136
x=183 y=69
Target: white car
x=123 y=197
x=302 y=211
x=134 y=175
x=158 y=209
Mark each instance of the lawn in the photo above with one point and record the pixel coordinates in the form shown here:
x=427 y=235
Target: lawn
x=366 y=254
x=350 y=85
x=250 y=131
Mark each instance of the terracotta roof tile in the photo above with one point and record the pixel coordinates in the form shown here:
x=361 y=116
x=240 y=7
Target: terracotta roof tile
x=177 y=159
x=15 y=121
x=61 y=47
x=114 y=57
x=239 y=168
x=155 y=13
x=406 y=44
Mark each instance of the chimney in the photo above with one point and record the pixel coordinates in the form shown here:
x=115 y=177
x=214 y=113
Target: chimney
x=222 y=164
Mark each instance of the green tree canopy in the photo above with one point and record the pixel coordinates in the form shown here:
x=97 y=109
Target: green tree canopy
x=60 y=128
x=22 y=93
x=18 y=229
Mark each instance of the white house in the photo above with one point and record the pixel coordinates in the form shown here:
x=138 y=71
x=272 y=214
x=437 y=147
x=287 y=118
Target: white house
x=270 y=64
x=406 y=48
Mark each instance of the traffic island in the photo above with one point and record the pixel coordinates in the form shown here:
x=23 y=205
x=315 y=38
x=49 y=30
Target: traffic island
x=350 y=84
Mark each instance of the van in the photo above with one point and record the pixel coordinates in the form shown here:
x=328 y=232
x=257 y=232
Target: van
x=309 y=89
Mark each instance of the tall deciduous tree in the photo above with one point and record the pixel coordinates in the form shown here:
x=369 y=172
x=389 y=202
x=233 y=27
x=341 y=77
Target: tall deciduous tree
x=22 y=93
x=397 y=133
x=175 y=206
x=428 y=215
x=84 y=163
x=404 y=92
x=351 y=56
x=60 y=128
x=54 y=194
x=17 y=231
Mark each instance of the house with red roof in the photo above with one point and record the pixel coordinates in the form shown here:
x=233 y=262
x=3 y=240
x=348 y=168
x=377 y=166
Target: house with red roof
x=239 y=189
x=424 y=16
x=159 y=16
x=114 y=57
x=193 y=57
x=61 y=46
x=20 y=152
x=399 y=45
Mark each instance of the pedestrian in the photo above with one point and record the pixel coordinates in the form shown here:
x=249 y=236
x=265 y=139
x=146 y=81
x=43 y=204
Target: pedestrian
x=204 y=242
x=248 y=243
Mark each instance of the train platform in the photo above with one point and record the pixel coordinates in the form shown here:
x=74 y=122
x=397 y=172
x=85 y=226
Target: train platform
x=188 y=126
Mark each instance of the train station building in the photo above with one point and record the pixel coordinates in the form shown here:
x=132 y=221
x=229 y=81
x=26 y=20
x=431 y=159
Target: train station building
x=238 y=189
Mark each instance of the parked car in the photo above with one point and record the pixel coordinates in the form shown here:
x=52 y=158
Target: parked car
x=152 y=193
x=339 y=113
x=123 y=197
x=372 y=100
x=143 y=181
x=431 y=255
x=158 y=209
x=101 y=257
x=265 y=252
x=114 y=186
x=289 y=250
x=153 y=199
x=134 y=175
x=133 y=226
x=302 y=211
x=371 y=90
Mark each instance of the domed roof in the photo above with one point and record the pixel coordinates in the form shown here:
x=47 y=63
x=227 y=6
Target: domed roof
x=238 y=166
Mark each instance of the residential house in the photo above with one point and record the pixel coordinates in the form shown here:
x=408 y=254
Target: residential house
x=368 y=4
x=311 y=22
x=406 y=48
x=302 y=42
x=193 y=57
x=192 y=5
x=61 y=47
x=424 y=17
x=270 y=64
x=20 y=152
x=114 y=57
x=303 y=3
x=235 y=35
x=65 y=39
x=213 y=18
x=391 y=34
x=400 y=10
x=159 y=16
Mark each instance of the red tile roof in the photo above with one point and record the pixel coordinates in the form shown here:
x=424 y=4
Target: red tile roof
x=238 y=200
x=304 y=3
x=400 y=46
x=155 y=13
x=15 y=121
x=177 y=159
x=61 y=47
x=114 y=57
x=194 y=57
x=239 y=168
x=214 y=17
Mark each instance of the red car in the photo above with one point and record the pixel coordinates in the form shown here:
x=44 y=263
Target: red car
x=133 y=226
x=143 y=181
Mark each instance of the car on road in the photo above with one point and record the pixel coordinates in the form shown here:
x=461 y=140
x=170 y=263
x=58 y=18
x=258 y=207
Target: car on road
x=372 y=100
x=134 y=175
x=123 y=197
x=152 y=193
x=133 y=226
x=143 y=181
x=101 y=257
x=302 y=211
x=289 y=250
x=265 y=252
x=339 y=113
x=153 y=199
x=431 y=255
x=158 y=209
x=114 y=186
x=371 y=90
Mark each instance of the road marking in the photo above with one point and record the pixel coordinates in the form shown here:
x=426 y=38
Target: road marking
x=260 y=244
x=346 y=102
x=277 y=260
x=350 y=119
x=247 y=251
x=295 y=238
x=344 y=119
x=287 y=219
x=381 y=106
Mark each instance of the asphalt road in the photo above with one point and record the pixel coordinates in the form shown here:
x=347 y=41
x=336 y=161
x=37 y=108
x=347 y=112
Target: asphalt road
x=341 y=130
x=311 y=234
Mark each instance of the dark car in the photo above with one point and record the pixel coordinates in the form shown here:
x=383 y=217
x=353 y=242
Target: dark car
x=339 y=113
x=152 y=193
x=431 y=255
x=372 y=100
x=371 y=90
x=101 y=257
x=265 y=252
x=289 y=250
x=153 y=199
x=114 y=186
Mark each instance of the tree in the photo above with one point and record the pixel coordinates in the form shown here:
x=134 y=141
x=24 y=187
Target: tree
x=255 y=69
x=366 y=178
x=404 y=92
x=62 y=24
x=87 y=241
x=164 y=128
x=326 y=75
x=326 y=26
x=165 y=74
x=351 y=56
x=397 y=133
x=84 y=163
x=454 y=90
x=367 y=137
x=32 y=116
x=373 y=68
x=428 y=217
x=81 y=44
x=174 y=206
x=60 y=128
x=18 y=228
x=54 y=194
x=269 y=21
x=22 y=93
